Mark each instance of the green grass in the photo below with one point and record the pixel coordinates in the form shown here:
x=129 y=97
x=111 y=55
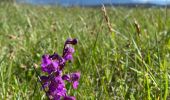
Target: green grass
x=123 y=65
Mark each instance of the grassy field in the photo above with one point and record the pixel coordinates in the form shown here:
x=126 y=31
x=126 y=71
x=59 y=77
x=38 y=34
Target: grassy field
x=129 y=63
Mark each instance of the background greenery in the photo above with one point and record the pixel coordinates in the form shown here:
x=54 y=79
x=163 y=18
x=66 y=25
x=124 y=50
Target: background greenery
x=121 y=65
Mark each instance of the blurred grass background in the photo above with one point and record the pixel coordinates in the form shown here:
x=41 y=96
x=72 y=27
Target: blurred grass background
x=120 y=65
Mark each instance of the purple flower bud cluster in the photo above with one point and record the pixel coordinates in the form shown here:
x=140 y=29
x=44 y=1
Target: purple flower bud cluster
x=53 y=83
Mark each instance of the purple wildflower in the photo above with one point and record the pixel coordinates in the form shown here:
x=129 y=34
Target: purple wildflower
x=57 y=87
x=54 y=84
x=68 y=50
x=49 y=65
x=73 y=78
x=68 y=53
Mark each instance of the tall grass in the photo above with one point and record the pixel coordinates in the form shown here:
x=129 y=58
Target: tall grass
x=124 y=64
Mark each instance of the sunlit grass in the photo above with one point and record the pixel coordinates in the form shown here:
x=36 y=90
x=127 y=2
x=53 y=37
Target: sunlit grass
x=118 y=65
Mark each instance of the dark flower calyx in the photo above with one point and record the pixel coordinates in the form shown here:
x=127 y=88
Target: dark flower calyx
x=71 y=41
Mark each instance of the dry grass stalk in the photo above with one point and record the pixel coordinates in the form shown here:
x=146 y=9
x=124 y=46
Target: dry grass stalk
x=107 y=19
x=137 y=26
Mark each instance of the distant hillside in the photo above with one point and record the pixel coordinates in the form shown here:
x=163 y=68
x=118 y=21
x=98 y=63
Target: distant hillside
x=7 y=1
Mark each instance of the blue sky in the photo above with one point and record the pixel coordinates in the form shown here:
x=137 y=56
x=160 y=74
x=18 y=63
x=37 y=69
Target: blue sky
x=95 y=2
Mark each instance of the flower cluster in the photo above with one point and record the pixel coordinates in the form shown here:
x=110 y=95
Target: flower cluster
x=53 y=83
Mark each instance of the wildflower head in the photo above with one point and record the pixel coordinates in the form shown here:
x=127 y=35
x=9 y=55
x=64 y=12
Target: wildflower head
x=49 y=65
x=71 y=41
x=54 y=65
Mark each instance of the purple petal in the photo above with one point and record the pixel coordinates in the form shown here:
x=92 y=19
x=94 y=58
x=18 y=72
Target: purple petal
x=57 y=97
x=45 y=63
x=44 y=69
x=75 y=76
x=55 y=64
x=45 y=60
x=68 y=57
x=57 y=88
x=66 y=77
x=58 y=80
x=70 y=50
x=62 y=63
x=75 y=84
x=61 y=91
x=50 y=68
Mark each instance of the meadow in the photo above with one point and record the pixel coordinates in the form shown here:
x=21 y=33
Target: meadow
x=129 y=62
